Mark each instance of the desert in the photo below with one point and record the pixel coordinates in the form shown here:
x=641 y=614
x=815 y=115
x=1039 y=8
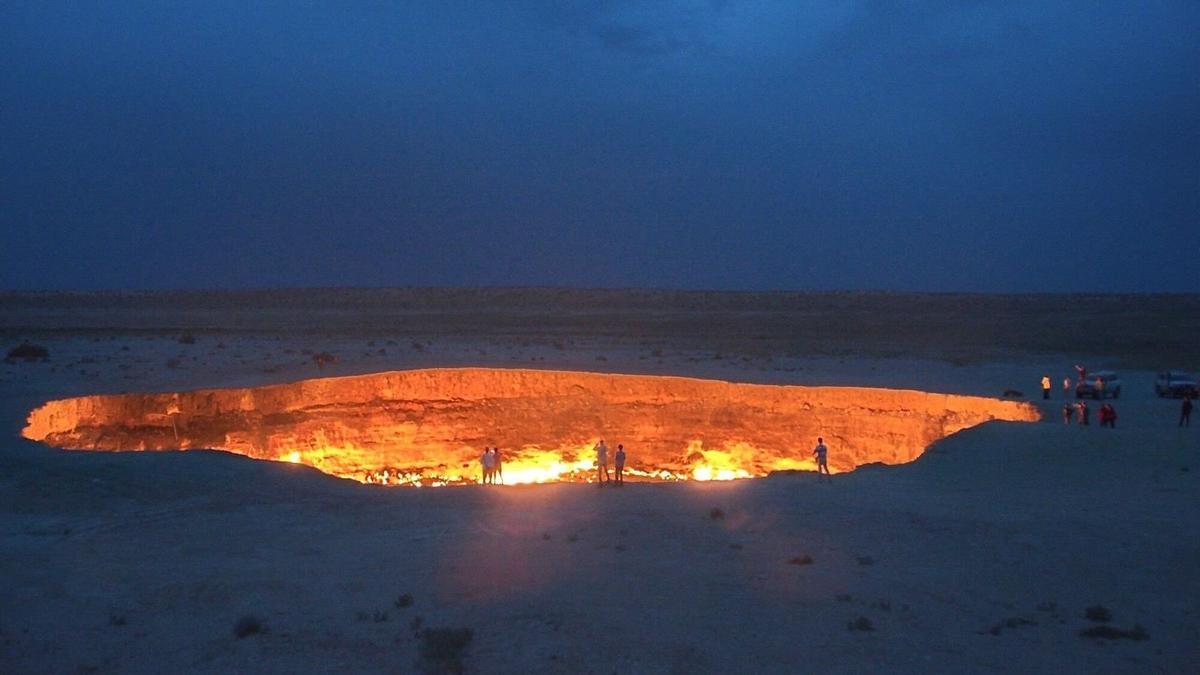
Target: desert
x=1019 y=545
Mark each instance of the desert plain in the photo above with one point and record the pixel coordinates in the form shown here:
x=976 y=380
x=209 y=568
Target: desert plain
x=1007 y=546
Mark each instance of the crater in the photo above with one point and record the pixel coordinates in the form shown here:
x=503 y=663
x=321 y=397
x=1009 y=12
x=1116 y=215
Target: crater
x=428 y=427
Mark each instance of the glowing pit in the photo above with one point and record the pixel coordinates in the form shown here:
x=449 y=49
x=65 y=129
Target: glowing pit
x=428 y=427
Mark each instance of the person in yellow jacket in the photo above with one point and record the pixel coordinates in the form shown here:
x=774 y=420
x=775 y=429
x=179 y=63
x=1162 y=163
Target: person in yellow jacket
x=1046 y=387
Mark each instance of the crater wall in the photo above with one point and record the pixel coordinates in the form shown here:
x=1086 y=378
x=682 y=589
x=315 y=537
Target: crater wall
x=430 y=426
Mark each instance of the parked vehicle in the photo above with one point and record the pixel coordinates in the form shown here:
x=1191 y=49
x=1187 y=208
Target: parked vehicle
x=1176 y=384
x=1098 y=385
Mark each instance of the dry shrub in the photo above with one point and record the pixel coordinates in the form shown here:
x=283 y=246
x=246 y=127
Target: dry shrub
x=862 y=623
x=248 y=625
x=28 y=352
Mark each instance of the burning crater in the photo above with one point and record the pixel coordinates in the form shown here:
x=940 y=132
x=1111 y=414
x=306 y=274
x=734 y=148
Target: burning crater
x=428 y=427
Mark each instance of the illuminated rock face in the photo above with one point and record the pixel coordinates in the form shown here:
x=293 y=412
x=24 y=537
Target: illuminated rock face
x=430 y=426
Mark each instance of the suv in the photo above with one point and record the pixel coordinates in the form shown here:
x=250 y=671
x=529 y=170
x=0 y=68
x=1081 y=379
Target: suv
x=1175 y=384
x=1098 y=385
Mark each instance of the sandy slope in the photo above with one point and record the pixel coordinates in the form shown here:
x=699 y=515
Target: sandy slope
x=1032 y=523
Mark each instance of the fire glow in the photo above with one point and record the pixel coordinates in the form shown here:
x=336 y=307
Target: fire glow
x=429 y=427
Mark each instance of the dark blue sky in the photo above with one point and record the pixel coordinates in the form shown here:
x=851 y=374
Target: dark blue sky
x=973 y=145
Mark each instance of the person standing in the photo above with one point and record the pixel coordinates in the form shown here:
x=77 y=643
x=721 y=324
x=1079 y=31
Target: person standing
x=1185 y=413
x=497 y=466
x=1084 y=413
x=601 y=463
x=821 y=453
x=1046 y=387
x=1066 y=387
x=619 y=463
x=487 y=461
x=1068 y=413
x=1110 y=416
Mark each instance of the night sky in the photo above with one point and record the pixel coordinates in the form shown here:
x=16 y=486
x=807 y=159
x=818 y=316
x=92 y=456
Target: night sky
x=943 y=146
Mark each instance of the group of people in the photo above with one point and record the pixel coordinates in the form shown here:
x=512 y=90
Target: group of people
x=1079 y=410
x=602 y=476
x=493 y=466
x=1068 y=385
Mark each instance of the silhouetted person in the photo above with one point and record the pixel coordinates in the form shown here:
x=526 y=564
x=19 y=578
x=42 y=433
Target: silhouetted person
x=601 y=463
x=822 y=455
x=1108 y=416
x=1185 y=413
x=619 y=463
x=1082 y=372
x=1046 y=387
x=497 y=466
x=1083 y=413
x=488 y=462
x=1068 y=413
x=173 y=412
x=1066 y=387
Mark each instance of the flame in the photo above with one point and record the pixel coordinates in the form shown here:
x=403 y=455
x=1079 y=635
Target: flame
x=531 y=464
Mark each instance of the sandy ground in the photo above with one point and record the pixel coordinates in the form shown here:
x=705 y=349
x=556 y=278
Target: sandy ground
x=981 y=556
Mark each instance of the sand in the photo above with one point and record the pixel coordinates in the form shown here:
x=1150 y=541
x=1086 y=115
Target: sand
x=983 y=555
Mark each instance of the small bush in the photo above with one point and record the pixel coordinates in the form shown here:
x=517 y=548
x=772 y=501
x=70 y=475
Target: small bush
x=1098 y=613
x=443 y=647
x=801 y=560
x=187 y=339
x=323 y=359
x=248 y=625
x=403 y=601
x=716 y=513
x=866 y=560
x=1011 y=622
x=28 y=352
x=862 y=623
x=117 y=620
